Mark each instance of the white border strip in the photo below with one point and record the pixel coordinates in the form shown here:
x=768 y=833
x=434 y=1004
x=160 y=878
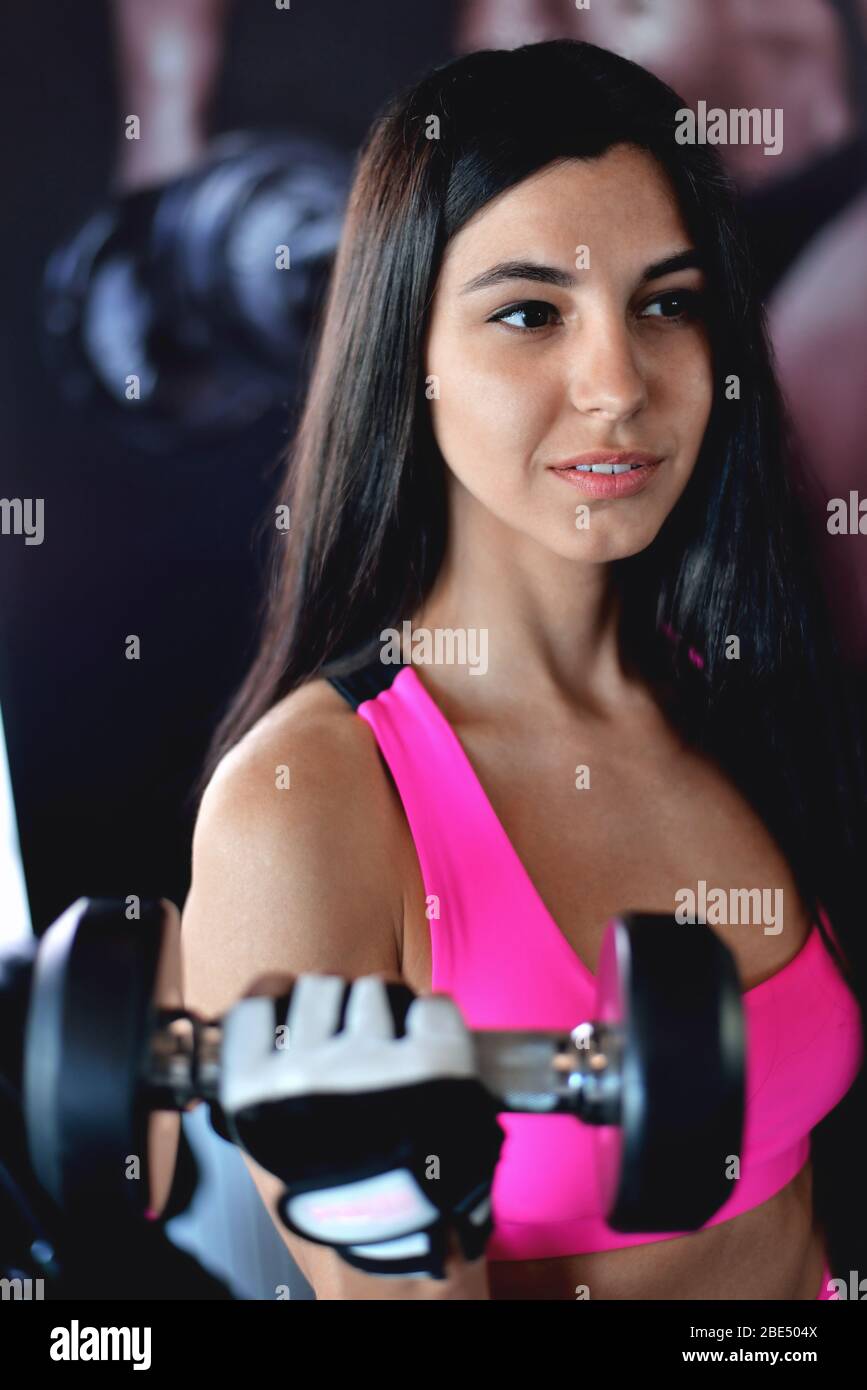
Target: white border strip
x=15 y=923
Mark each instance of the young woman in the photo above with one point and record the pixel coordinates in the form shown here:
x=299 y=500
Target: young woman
x=542 y=416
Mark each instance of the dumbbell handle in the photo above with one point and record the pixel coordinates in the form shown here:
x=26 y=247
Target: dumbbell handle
x=575 y=1073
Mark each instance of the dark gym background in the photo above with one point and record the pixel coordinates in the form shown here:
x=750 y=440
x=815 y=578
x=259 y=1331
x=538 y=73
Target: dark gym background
x=103 y=750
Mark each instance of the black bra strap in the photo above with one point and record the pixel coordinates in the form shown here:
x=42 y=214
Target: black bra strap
x=365 y=683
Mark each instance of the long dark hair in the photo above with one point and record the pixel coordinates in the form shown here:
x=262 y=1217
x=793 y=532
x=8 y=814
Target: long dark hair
x=365 y=481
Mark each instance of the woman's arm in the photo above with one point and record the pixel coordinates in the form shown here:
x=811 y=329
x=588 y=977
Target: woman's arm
x=295 y=880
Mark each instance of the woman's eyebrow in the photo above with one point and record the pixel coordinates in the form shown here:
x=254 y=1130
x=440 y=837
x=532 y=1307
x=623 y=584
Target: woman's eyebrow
x=564 y=279
x=681 y=260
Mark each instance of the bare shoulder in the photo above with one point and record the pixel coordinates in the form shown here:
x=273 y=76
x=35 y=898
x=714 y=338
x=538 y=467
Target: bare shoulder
x=296 y=854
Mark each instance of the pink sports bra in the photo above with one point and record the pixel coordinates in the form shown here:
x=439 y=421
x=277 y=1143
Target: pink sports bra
x=498 y=952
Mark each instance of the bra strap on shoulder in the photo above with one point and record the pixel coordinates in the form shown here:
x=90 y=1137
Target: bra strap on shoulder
x=365 y=683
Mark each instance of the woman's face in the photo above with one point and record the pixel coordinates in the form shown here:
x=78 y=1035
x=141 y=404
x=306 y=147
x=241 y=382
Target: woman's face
x=613 y=358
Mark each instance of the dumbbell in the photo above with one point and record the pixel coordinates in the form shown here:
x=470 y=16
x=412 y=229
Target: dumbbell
x=659 y=1071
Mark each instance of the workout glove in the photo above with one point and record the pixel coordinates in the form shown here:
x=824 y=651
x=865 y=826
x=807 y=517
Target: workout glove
x=383 y=1137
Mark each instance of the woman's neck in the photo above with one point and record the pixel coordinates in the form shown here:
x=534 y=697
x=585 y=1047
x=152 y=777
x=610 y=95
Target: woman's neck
x=548 y=625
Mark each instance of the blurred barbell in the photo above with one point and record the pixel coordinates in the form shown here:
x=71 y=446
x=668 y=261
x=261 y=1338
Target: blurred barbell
x=184 y=310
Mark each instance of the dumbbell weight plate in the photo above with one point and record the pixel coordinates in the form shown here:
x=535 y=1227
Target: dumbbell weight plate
x=97 y=979
x=674 y=990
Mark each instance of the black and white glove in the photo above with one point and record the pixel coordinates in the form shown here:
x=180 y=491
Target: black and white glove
x=372 y=1114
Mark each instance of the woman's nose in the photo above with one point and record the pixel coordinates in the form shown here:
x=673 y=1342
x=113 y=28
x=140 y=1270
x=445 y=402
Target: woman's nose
x=606 y=379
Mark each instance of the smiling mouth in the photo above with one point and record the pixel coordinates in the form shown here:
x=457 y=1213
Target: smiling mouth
x=608 y=479
x=606 y=467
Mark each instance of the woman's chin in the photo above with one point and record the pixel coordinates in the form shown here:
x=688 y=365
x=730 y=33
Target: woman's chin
x=603 y=549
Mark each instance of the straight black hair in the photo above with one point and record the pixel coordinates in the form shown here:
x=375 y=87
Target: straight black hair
x=365 y=481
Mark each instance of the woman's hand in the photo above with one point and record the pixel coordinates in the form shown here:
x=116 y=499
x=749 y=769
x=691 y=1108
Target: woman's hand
x=385 y=1143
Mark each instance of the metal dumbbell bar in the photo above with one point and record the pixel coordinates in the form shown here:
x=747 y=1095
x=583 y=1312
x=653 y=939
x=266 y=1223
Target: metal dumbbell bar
x=538 y=1072
x=659 y=1070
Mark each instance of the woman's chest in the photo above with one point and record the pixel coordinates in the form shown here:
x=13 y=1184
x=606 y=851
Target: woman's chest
x=601 y=829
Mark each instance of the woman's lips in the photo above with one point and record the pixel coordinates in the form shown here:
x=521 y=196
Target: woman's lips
x=610 y=484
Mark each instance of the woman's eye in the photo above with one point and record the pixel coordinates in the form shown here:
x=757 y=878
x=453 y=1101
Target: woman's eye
x=531 y=309
x=676 y=305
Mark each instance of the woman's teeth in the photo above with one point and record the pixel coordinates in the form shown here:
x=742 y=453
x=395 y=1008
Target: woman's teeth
x=606 y=467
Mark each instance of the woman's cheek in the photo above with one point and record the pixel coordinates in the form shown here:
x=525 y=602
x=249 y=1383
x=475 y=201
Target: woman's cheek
x=690 y=393
x=473 y=431
x=495 y=410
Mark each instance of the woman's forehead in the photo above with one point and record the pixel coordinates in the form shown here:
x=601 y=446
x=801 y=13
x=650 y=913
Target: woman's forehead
x=619 y=202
